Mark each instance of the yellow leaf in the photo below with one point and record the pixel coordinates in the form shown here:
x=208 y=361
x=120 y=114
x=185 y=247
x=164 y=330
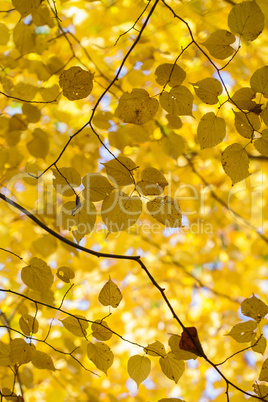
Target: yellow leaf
x=97 y=187
x=235 y=162
x=243 y=332
x=39 y=145
x=110 y=294
x=24 y=38
x=49 y=93
x=119 y=211
x=218 y=44
x=5 y=354
x=264 y=115
x=37 y=275
x=21 y=352
x=101 y=355
x=172 y=367
x=32 y=113
x=247 y=20
x=139 y=368
x=26 y=7
x=45 y=245
x=83 y=218
x=42 y=16
x=155 y=349
x=101 y=120
x=261 y=144
x=179 y=101
x=164 y=75
x=118 y=170
x=254 y=308
x=42 y=360
x=76 y=83
x=9 y=395
x=174 y=342
x=208 y=90
x=65 y=274
x=211 y=130
x=247 y=123
x=152 y=182
x=100 y=330
x=264 y=371
x=4 y=34
x=174 y=122
x=261 y=390
x=170 y=400
x=28 y=324
x=259 y=81
x=166 y=211
x=136 y=107
x=260 y=346
x=64 y=178
x=76 y=326
x=243 y=98
x=173 y=144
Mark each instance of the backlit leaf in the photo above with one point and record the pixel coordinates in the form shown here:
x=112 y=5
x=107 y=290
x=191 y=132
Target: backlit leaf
x=152 y=182
x=164 y=75
x=76 y=83
x=166 y=211
x=242 y=98
x=173 y=144
x=208 y=90
x=26 y=7
x=21 y=352
x=155 y=349
x=101 y=355
x=64 y=178
x=4 y=34
x=254 y=308
x=246 y=124
x=264 y=371
x=247 y=20
x=190 y=341
x=139 y=368
x=179 y=101
x=211 y=130
x=42 y=360
x=174 y=343
x=24 y=38
x=260 y=346
x=37 y=275
x=118 y=170
x=97 y=187
x=261 y=144
x=39 y=145
x=264 y=115
x=259 y=81
x=136 y=107
x=28 y=324
x=235 y=162
x=218 y=44
x=172 y=367
x=174 y=122
x=75 y=326
x=119 y=211
x=65 y=274
x=100 y=330
x=243 y=332
x=170 y=400
x=5 y=354
x=110 y=294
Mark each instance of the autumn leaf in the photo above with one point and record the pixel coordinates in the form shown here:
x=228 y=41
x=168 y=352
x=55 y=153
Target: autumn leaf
x=235 y=162
x=110 y=294
x=101 y=355
x=76 y=83
x=139 y=368
x=37 y=275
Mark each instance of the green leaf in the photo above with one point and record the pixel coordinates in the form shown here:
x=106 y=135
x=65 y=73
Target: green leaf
x=208 y=90
x=254 y=308
x=179 y=101
x=235 y=162
x=101 y=355
x=139 y=368
x=218 y=44
x=136 y=107
x=164 y=75
x=172 y=367
x=211 y=130
x=243 y=332
x=247 y=20
x=259 y=81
